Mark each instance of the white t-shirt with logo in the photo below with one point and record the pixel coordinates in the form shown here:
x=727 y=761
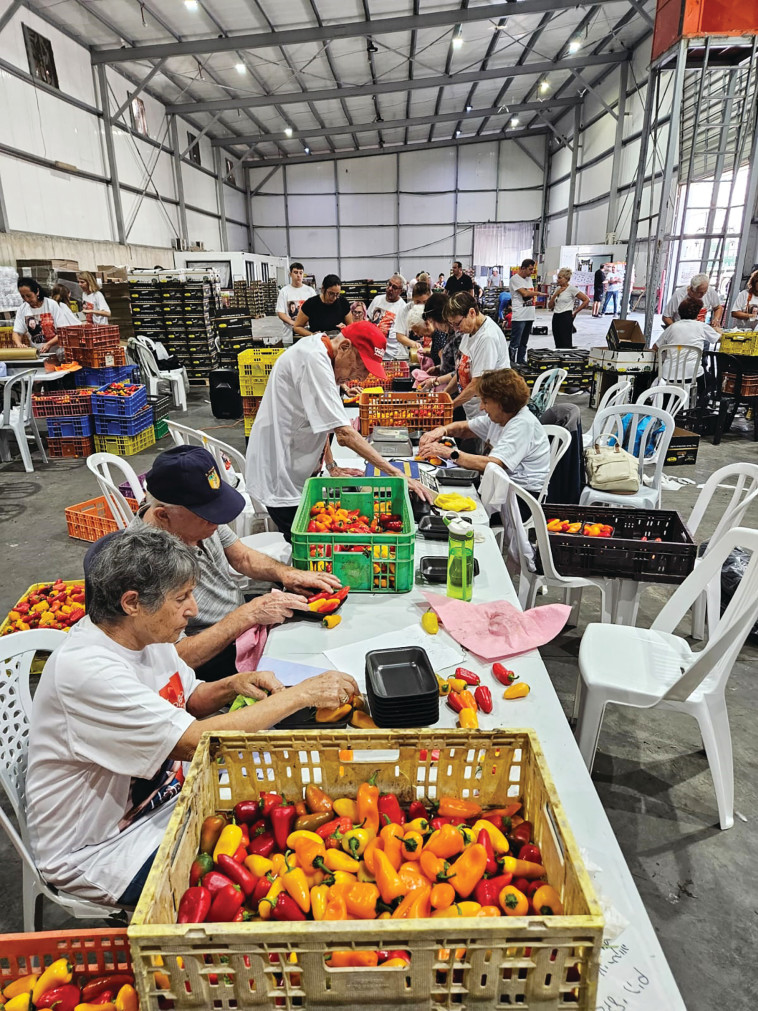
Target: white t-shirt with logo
x=564 y=302
x=301 y=405
x=92 y=305
x=100 y=786
x=522 y=445
x=384 y=313
x=27 y=319
x=289 y=301
x=394 y=349
x=745 y=302
x=481 y=352
x=521 y=310
x=710 y=301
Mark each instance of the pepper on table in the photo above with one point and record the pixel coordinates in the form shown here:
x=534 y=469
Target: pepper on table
x=503 y=675
x=483 y=698
x=462 y=674
x=468 y=719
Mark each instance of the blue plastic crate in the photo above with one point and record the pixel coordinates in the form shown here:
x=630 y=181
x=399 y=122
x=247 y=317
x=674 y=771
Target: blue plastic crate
x=70 y=428
x=119 y=407
x=101 y=377
x=106 y=425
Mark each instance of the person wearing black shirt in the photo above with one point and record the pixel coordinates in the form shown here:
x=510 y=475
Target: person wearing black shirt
x=329 y=310
x=597 y=295
x=458 y=281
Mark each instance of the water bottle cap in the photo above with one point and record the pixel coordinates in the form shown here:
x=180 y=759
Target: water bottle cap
x=459 y=526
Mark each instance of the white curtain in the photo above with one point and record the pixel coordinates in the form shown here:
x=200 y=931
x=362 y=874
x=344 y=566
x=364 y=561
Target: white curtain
x=502 y=244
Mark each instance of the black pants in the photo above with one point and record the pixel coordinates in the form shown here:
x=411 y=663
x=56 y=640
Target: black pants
x=284 y=517
x=563 y=328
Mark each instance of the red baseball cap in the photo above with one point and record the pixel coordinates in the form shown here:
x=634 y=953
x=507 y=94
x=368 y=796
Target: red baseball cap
x=370 y=343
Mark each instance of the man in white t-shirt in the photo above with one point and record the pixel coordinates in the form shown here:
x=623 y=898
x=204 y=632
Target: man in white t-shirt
x=699 y=288
x=523 y=295
x=686 y=331
x=514 y=438
x=384 y=309
x=300 y=410
x=291 y=297
x=118 y=712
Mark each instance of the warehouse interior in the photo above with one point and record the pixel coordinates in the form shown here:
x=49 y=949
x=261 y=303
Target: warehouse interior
x=366 y=139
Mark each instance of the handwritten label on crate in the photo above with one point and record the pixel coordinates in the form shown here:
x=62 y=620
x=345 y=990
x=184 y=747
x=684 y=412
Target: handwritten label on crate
x=626 y=982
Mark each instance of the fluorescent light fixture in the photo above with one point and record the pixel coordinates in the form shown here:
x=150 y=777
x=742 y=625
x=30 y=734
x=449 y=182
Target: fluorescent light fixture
x=574 y=46
x=457 y=38
x=191 y=5
x=240 y=68
x=514 y=121
x=288 y=131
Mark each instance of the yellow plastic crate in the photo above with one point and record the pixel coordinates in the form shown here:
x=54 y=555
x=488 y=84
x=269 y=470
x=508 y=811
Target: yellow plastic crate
x=739 y=342
x=125 y=445
x=5 y=628
x=255 y=366
x=482 y=963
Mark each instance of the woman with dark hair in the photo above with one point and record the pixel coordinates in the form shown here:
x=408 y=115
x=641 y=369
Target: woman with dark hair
x=483 y=348
x=427 y=320
x=745 y=310
x=686 y=331
x=329 y=310
x=39 y=317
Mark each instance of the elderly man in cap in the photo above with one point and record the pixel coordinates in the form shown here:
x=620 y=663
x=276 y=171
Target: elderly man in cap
x=302 y=408
x=187 y=497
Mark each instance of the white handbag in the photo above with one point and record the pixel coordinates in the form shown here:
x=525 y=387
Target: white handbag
x=611 y=468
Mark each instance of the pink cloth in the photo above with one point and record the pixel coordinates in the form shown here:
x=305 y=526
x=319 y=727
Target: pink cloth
x=250 y=646
x=498 y=629
x=419 y=376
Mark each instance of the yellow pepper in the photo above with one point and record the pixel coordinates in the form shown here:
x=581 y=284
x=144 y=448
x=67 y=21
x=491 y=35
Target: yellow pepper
x=468 y=835
x=279 y=864
x=259 y=866
x=337 y=861
x=456 y=684
x=498 y=840
x=518 y=691
x=319 y=898
x=342 y=877
x=228 y=842
x=22 y=1002
x=331 y=620
x=25 y=984
x=443 y=685
x=296 y=837
x=418 y=825
x=266 y=905
x=430 y=622
x=356 y=840
x=346 y=808
x=468 y=719
x=296 y=887
x=57 y=974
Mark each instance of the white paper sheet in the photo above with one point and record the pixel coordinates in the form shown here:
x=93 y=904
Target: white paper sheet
x=289 y=673
x=441 y=649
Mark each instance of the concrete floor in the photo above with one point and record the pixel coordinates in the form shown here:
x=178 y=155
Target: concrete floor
x=651 y=772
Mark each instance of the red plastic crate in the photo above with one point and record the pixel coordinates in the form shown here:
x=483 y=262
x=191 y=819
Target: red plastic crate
x=415 y=411
x=93 y=519
x=91 y=952
x=70 y=449
x=96 y=358
x=63 y=404
x=88 y=336
x=394 y=370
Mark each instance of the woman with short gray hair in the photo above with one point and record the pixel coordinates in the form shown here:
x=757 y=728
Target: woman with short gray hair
x=117 y=712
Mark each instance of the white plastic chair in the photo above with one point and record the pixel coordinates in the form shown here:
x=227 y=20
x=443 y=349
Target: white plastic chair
x=17 y=419
x=552 y=380
x=656 y=668
x=498 y=492
x=100 y=464
x=678 y=365
x=16 y=655
x=619 y=393
x=560 y=440
x=153 y=375
x=666 y=397
x=610 y=422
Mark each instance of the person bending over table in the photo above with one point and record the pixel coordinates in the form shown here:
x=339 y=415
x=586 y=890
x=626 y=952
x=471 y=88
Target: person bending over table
x=300 y=410
x=329 y=310
x=118 y=711
x=28 y=322
x=483 y=348
x=187 y=497
x=513 y=436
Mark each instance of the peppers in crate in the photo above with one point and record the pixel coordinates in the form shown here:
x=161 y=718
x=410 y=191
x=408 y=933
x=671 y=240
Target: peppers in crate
x=263 y=845
x=390 y=809
x=496 y=837
x=228 y=842
x=317 y=801
x=202 y=863
x=237 y=874
x=194 y=905
x=282 y=820
x=392 y=843
x=114 y=981
x=225 y=904
x=469 y=869
x=126 y=999
x=483 y=839
x=210 y=832
x=547 y=902
x=513 y=902
x=286 y=908
x=368 y=805
x=297 y=888
x=65 y=997
x=388 y=881
x=445 y=843
x=523 y=868
x=57 y=974
x=451 y=807
x=483 y=698
x=269 y=800
x=312 y=822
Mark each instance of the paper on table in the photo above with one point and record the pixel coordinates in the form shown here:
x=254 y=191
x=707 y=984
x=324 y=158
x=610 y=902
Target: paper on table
x=441 y=650
x=289 y=673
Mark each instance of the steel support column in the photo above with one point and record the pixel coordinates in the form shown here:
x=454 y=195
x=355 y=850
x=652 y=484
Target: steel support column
x=337 y=219
x=455 y=218
x=286 y=213
x=179 y=180
x=746 y=250
x=221 y=198
x=639 y=185
x=545 y=191
x=111 y=153
x=572 y=180
x=613 y=199
x=248 y=208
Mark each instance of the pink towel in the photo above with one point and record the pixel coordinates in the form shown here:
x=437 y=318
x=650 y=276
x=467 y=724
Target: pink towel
x=250 y=646
x=498 y=629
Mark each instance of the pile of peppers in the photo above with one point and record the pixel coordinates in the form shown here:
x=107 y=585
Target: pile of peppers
x=332 y=518
x=466 y=703
x=53 y=990
x=369 y=858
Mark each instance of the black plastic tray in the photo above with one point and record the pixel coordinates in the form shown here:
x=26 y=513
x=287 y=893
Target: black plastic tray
x=403 y=673
x=433 y=528
x=305 y=719
x=456 y=475
x=402 y=384
x=434 y=568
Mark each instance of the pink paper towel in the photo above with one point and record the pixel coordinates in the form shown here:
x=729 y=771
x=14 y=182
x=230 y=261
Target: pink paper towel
x=250 y=646
x=498 y=629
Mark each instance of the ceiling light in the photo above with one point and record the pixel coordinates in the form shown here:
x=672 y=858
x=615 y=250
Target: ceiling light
x=468 y=108
x=575 y=45
x=307 y=150
x=191 y=5
x=288 y=131
x=544 y=85
x=514 y=121
x=457 y=38
x=240 y=68
x=457 y=133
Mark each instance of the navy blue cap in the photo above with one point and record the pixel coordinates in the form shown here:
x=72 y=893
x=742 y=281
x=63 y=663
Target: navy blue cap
x=188 y=476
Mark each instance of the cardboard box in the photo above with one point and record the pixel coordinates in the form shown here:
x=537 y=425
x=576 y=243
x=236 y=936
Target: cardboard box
x=66 y=265
x=625 y=335
x=683 y=448
x=109 y=272
x=636 y=360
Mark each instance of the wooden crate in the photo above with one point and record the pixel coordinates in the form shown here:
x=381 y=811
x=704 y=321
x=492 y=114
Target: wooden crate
x=484 y=963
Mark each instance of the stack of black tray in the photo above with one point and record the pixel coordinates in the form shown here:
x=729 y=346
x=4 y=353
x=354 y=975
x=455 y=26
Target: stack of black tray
x=401 y=688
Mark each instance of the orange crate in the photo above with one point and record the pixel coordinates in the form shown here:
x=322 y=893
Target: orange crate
x=64 y=403
x=394 y=370
x=250 y=406
x=415 y=411
x=96 y=358
x=91 y=952
x=71 y=448
x=88 y=336
x=91 y=520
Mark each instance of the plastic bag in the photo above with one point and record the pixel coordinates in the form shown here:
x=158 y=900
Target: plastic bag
x=732 y=572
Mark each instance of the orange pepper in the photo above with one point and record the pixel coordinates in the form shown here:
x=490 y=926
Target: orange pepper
x=335 y=907
x=392 y=843
x=445 y=842
x=411 y=876
x=433 y=867
x=469 y=869
x=455 y=807
x=352 y=959
x=468 y=699
x=523 y=868
x=413 y=905
x=309 y=854
x=489 y=911
x=361 y=900
x=413 y=844
x=368 y=805
x=547 y=902
x=369 y=854
x=388 y=881
x=395 y=963
x=443 y=895
x=513 y=902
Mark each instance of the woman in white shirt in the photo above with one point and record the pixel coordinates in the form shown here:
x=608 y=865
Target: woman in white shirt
x=94 y=306
x=745 y=310
x=687 y=331
x=562 y=305
x=483 y=348
x=39 y=317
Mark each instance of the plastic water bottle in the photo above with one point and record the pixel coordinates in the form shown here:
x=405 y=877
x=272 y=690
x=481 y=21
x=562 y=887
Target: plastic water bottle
x=460 y=558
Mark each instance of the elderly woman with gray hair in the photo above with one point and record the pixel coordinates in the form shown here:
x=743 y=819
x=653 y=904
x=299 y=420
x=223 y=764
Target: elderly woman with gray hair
x=563 y=305
x=117 y=712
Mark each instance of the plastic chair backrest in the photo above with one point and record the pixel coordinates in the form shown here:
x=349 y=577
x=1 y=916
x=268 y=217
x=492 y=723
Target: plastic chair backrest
x=666 y=397
x=552 y=380
x=610 y=422
x=183 y=435
x=100 y=464
x=619 y=393
x=23 y=382
x=560 y=440
x=679 y=364
x=715 y=660
x=744 y=495
x=145 y=356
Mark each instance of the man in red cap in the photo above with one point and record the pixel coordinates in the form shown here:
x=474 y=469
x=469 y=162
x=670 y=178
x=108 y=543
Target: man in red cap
x=302 y=408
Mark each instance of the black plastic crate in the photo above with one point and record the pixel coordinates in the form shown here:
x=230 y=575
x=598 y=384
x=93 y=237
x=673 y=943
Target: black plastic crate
x=161 y=405
x=624 y=555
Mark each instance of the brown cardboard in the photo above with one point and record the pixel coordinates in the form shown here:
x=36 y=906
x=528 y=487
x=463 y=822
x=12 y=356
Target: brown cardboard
x=682 y=448
x=625 y=335
x=109 y=272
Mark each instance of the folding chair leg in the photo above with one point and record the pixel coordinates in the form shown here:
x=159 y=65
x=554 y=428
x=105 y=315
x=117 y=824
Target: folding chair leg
x=23 y=447
x=698 y=618
x=38 y=439
x=713 y=721
x=32 y=902
x=589 y=721
x=573 y=597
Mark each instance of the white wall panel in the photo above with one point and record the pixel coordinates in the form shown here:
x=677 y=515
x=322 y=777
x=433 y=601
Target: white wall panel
x=357 y=242
x=318 y=267
x=271 y=240
x=274 y=182
x=598 y=138
x=235 y=205
x=558 y=197
x=74 y=71
x=199 y=188
x=427 y=171
x=596 y=180
x=368 y=175
x=477 y=167
x=268 y=211
x=516 y=167
x=477 y=206
x=315 y=178
x=368 y=209
x=306 y=242
x=155 y=224
x=237 y=237
x=519 y=205
x=590 y=224
x=371 y=267
x=317 y=209
x=431 y=240
x=431 y=207
x=203 y=228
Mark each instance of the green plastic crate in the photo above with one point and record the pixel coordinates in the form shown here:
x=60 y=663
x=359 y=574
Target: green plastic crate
x=386 y=563
x=161 y=428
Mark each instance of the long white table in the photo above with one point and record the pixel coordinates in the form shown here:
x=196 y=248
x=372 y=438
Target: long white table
x=634 y=973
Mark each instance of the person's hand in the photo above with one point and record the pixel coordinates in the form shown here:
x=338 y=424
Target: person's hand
x=428 y=384
x=346 y=472
x=255 y=684
x=436 y=449
x=328 y=690
x=429 y=437
x=43 y=348
x=424 y=493
x=353 y=391
x=273 y=608
x=302 y=581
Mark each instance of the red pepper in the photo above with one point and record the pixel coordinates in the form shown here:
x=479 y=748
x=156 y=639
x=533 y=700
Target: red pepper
x=417 y=810
x=225 y=904
x=66 y=997
x=503 y=675
x=320 y=596
x=263 y=846
x=96 y=986
x=384 y=956
x=341 y=825
x=327 y=606
x=533 y=886
x=394 y=527
x=342 y=593
x=106 y=997
x=497 y=820
x=242 y=916
x=483 y=697
x=487 y=892
x=522 y=884
x=282 y=820
x=440 y=820
x=523 y=833
x=238 y=874
x=530 y=852
x=269 y=801
x=202 y=863
x=247 y=811
x=194 y=905
x=491 y=866
x=255 y=829
x=240 y=854
x=287 y=909
x=467 y=675
x=245 y=834
x=390 y=811
x=261 y=890
x=214 y=881
x=455 y=702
